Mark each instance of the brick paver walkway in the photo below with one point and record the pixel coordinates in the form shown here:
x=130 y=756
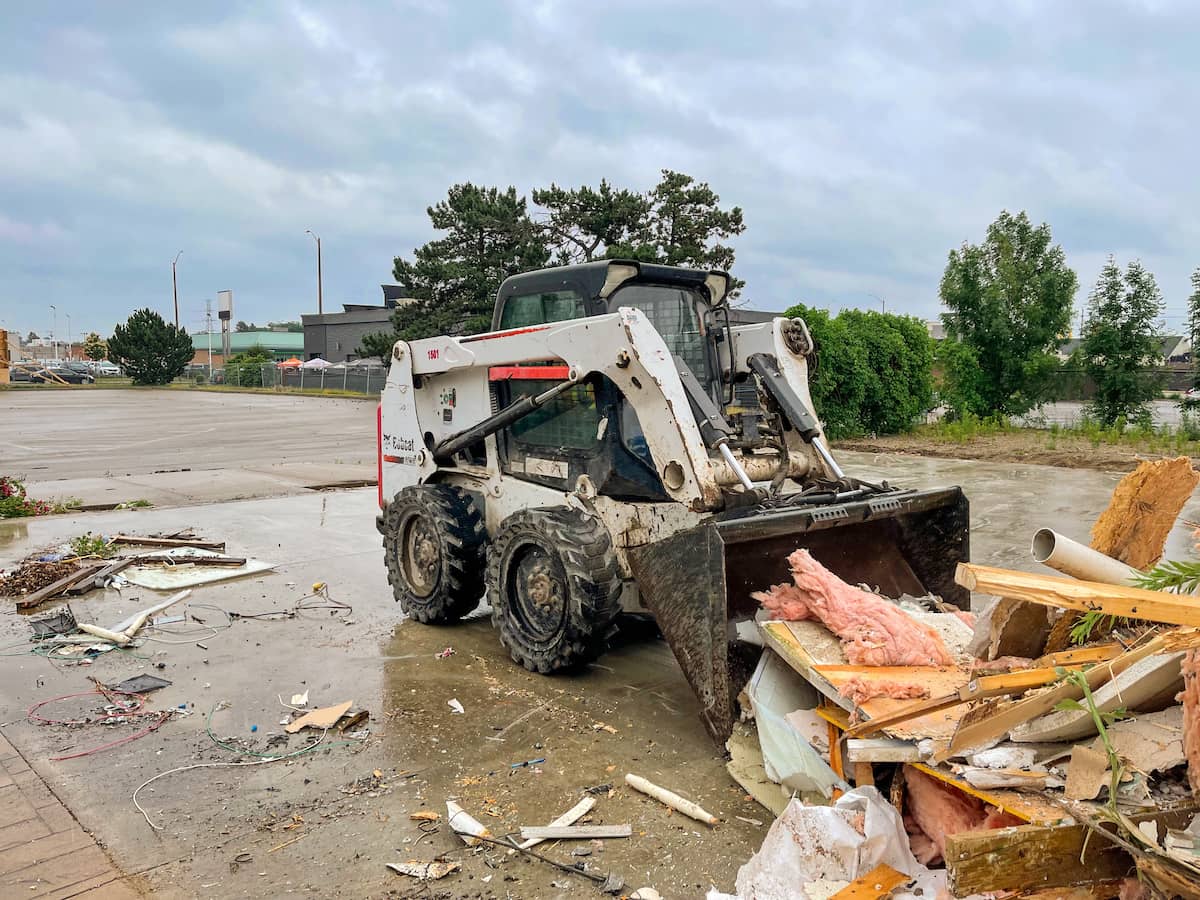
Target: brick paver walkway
x=43 y=851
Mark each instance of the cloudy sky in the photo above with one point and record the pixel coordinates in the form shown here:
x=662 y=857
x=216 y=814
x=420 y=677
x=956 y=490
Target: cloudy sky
x=862 y=139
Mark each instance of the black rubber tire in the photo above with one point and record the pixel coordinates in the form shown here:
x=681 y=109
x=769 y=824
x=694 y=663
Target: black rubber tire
x=448 y=522
x=571 y=552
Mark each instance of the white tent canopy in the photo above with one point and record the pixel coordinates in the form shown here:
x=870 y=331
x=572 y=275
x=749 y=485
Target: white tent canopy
x=317 y=363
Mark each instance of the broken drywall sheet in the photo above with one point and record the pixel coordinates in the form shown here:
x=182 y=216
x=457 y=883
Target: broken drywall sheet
x=1087 y=773
x=1152 y=742
x=822 y=843
x=775 y=691
x=1008 y=627
x=189 y=570
x=745 y=766
x=1149 y=684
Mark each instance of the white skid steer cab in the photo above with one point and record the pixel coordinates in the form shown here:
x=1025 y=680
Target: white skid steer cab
x=615 y=445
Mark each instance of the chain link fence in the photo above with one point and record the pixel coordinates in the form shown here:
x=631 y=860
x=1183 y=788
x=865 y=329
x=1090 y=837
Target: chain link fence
x=358 y=379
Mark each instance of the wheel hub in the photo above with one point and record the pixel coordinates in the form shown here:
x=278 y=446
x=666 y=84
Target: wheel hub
x=420 y=555
x=538 y=594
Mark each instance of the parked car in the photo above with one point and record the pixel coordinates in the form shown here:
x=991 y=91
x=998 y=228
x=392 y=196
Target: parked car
x=107 y=369
x=19 y=375
x=70 y=376
x=83 y=368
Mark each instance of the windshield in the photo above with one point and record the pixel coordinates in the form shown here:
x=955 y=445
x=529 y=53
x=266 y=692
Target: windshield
x=675 y=313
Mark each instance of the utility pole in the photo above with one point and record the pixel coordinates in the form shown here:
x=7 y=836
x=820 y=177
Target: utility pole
x=308 y=231
x=175 y=286
x=882 y=302
x=53 y=329
x=208 y=328
x=70 y=343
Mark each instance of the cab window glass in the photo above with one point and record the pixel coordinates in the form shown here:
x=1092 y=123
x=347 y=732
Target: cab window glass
x=537 y=309
x=570 y=421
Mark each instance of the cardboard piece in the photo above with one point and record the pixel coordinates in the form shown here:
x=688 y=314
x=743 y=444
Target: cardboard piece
x=325 y=717
x=1087 y=773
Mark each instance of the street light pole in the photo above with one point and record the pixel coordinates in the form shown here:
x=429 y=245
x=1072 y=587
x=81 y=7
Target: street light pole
x=70 y=343
x=175 y=286
x=882 y=302
x=53 y=329
x=308 y=231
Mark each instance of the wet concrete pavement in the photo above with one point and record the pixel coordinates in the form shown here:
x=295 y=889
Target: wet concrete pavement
x=225 y=830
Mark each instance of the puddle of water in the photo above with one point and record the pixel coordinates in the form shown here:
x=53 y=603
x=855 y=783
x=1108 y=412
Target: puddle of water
x=12 y=531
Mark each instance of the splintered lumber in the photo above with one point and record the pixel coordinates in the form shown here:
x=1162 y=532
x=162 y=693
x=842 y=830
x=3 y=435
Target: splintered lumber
x=671 y=799
x=99 y=576
x=232 y=561
x=574 y=832
x=198 y=543
x=1083 y=596
x=999 y=723
x=880 y=882
x=52 y=590
x=1026 y=857
x=976 y=689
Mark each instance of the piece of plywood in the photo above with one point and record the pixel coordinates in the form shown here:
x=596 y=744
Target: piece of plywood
x=1082 y=596
x=880 y=882
x=1150 y=684
x=803 y=645
x=1028 y=857
x=325 y=717
x=1032 y=808
x=939 y=725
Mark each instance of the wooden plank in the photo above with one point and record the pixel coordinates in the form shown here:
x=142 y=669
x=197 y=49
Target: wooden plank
x=51 y=590
x=939 y=725
x=1028 y=807
x=864 y=774
x=976 y=689
x=1082 y=656
x=1000 y=723
x=101 y=574
x=779 y=637
x=232 y=561
x=1083 y=596
x=167 y=542
x=880 y=882
x=574 y=832
x=881 y=750
x=1029 y=857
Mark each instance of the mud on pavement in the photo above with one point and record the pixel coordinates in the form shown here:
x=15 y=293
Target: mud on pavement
x=326 y=822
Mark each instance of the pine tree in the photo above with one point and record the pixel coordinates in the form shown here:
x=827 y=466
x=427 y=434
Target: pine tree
x=1121 y=344
x=150 y=350
x=1193 y=325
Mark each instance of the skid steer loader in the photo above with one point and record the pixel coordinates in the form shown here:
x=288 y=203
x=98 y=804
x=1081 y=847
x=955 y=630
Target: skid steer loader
x=616 y=443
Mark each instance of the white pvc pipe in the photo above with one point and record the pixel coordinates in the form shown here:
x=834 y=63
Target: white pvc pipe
x=1072 y=558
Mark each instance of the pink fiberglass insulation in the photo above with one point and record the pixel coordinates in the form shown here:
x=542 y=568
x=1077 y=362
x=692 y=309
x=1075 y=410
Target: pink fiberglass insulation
x=1191 y=717
x=859 y=690
x=873 y=631
x=938 y=810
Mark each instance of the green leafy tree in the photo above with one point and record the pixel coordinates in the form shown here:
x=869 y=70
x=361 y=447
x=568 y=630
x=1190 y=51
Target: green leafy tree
x=149 y=349
x=246 y=369
x=489 y=236
x=94 y=346
x=871 y=372
x=1121 y=342
x=687 y=224
x=586 y=223
x=1009 y=303
x=242 y=327
x=1193 y=325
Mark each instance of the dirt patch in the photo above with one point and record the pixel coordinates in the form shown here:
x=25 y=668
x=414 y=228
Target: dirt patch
x=33 y=576
x=1027 y=446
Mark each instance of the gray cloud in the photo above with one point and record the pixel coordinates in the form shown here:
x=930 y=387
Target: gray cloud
x=863 y=140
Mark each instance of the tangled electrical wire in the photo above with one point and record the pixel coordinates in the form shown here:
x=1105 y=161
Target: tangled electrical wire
x=122 y=706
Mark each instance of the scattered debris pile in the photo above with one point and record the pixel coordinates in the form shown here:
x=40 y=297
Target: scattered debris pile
x=1010 y=759
x=180 y=560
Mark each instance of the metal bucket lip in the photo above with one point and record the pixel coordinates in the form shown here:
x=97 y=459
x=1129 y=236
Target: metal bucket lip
x=748 y=525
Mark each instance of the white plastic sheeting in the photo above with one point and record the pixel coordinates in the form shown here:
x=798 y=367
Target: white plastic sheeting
x=835 y=843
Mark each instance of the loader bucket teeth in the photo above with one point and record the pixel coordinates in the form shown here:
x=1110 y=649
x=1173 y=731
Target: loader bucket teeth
x=698 y=583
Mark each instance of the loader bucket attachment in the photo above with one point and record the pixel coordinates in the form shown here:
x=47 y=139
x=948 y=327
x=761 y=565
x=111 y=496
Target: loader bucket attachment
x=697 y=583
